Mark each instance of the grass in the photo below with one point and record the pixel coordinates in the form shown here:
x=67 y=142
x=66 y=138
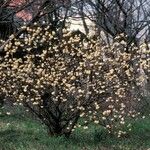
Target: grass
x=18 y=132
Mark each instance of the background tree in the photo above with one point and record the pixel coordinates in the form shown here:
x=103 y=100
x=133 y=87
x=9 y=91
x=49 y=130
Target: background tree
x=113 y=17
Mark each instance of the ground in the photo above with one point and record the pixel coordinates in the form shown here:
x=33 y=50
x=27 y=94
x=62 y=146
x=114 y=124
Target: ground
x=21 y=132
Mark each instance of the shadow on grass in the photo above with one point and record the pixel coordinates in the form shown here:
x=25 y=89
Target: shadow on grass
x=14 y=136
x=31 y=139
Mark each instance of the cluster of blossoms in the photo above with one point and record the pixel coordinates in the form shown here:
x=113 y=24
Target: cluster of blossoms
x=62 y=78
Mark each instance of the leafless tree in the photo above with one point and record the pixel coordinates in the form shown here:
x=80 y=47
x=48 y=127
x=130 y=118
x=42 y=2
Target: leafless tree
x=49 y=12
x=113 y=17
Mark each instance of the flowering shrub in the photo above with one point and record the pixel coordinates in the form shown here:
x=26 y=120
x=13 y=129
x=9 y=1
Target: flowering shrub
x=63 y=78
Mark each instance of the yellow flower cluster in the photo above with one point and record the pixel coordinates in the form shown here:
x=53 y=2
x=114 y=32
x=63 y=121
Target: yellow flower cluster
x=63 y=78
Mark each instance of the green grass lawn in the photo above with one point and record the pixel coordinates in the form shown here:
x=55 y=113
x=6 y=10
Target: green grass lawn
x=24 y=133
